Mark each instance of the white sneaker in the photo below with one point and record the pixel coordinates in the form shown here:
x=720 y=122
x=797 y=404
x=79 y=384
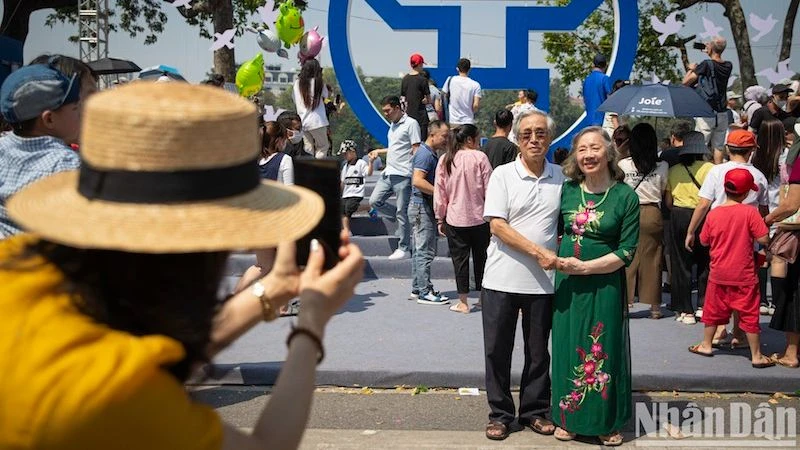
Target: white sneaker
x=432 y=299
x=699 y=313
x=399 y=254
x=689 y=319
x=770 y=311
x=415 y=295
x=679 y=317
x=763 y=309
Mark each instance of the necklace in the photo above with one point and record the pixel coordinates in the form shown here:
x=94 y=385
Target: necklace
x=590 y=205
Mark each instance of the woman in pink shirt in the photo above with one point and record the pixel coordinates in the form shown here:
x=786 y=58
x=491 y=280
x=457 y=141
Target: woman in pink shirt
x=459 y=192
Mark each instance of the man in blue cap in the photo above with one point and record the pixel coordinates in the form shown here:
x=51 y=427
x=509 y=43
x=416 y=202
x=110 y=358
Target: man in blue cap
x=42 y=106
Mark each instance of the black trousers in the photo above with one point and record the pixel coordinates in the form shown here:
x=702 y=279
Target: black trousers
x=462 y=241
x=500 y=312
x=682 y=261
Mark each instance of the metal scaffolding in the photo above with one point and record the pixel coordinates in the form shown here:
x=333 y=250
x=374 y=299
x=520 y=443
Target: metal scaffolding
x=93 y=29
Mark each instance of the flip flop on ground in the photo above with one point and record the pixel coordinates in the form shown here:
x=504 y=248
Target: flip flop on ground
x=739 y=343
x=563 y=435
x=612 y=440
x=722 y=342
x=765 y=362
x=496 y=431
x=696 y=350
x=542 y=426
x=778 y=359
x=460 y=308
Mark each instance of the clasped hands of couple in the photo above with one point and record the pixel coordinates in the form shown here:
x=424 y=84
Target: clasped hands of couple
x=570 y=265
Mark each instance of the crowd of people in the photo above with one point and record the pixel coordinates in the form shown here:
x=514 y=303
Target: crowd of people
x=126 y=205
x=636 y=217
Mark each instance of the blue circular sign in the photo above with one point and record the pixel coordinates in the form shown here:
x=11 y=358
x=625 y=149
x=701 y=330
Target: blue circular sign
x=446 y=20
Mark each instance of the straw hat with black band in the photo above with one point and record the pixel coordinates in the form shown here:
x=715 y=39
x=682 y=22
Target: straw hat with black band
x=166 y=168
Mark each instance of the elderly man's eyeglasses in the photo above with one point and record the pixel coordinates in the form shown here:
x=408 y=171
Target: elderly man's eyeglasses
x=538 y=134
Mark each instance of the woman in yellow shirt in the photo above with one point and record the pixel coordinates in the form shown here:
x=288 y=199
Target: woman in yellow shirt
x=683 y=188
x=111 y=302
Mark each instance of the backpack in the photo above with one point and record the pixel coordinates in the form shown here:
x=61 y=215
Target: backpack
x=446 y=100
x=707 y=88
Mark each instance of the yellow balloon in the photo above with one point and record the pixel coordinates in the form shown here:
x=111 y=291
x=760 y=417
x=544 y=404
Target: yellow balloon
x=250 y=76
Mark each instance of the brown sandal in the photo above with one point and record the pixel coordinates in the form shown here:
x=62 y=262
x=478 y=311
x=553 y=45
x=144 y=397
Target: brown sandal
x=538 y=425
x=778 y=359
x=496 y=431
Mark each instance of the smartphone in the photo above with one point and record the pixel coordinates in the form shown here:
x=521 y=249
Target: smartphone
x=699 y=46
x=321 y=176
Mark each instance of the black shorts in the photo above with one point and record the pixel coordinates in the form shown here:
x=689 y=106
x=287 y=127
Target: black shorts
x=350 y=205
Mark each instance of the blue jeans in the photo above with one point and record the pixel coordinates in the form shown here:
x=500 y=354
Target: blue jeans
x=423 y=224
x=400 y=186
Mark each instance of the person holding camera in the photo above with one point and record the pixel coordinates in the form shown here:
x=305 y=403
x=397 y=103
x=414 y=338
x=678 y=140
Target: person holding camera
x=111 y=301
x=710 y=78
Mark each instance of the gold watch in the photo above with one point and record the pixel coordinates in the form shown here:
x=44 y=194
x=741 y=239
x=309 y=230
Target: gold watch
x=267 y=311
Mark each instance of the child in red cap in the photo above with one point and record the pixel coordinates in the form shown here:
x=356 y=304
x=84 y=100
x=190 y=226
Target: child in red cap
x=730 y=231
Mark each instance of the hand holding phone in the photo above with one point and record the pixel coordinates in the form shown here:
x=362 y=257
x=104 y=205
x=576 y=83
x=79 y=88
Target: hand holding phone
x=321 y=176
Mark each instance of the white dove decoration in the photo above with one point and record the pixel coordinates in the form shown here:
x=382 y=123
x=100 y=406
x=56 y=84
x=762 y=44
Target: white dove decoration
x=224 y=39
x=668 y=27
x=763 y=26
x=185 y=3
x=268 y=13
x=783 y=72
x=271 y=114
x=711 y=29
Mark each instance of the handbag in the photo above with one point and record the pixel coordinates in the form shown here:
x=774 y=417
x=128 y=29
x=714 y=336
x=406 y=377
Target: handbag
x=792 y=222
x=785 y=245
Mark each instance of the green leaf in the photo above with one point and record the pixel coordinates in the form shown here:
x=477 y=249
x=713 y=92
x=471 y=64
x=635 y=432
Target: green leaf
x=419 y=389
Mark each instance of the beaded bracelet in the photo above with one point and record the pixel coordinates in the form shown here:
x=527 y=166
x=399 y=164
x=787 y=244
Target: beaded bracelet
x=305 y=331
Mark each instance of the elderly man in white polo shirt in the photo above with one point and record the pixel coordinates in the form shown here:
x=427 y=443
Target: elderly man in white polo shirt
x=404 y=139
x=522 y=207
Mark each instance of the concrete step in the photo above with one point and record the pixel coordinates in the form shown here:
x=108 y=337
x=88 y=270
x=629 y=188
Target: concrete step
x=376 y=267
x=362 y=225
x=385 y=245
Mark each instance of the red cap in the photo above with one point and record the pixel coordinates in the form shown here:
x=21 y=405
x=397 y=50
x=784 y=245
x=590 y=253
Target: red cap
x=741 y=138
x=416 y=60
x=739 y=181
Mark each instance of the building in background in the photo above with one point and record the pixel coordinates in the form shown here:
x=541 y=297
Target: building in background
x=277 y=80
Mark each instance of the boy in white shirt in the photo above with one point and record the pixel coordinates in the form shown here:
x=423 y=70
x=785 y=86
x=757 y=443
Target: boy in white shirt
x=353 y=172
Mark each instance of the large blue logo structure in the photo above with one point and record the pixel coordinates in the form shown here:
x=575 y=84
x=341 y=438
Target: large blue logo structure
x=446 y=20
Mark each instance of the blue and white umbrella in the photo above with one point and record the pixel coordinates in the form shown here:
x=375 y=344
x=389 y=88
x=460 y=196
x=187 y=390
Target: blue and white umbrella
x=657 y=100
x=156 y=72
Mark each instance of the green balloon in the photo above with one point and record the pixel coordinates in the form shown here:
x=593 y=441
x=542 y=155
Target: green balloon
x=250 y=76
x=290 y=25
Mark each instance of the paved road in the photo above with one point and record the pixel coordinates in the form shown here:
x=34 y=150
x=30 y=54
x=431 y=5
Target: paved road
x=381 y=339
x=344 y=418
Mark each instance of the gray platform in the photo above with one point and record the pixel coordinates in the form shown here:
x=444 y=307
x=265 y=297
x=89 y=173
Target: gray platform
x=381 y=339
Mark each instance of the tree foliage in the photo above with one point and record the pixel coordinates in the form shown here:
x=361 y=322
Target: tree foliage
x=572 y=53
x=345 y=125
